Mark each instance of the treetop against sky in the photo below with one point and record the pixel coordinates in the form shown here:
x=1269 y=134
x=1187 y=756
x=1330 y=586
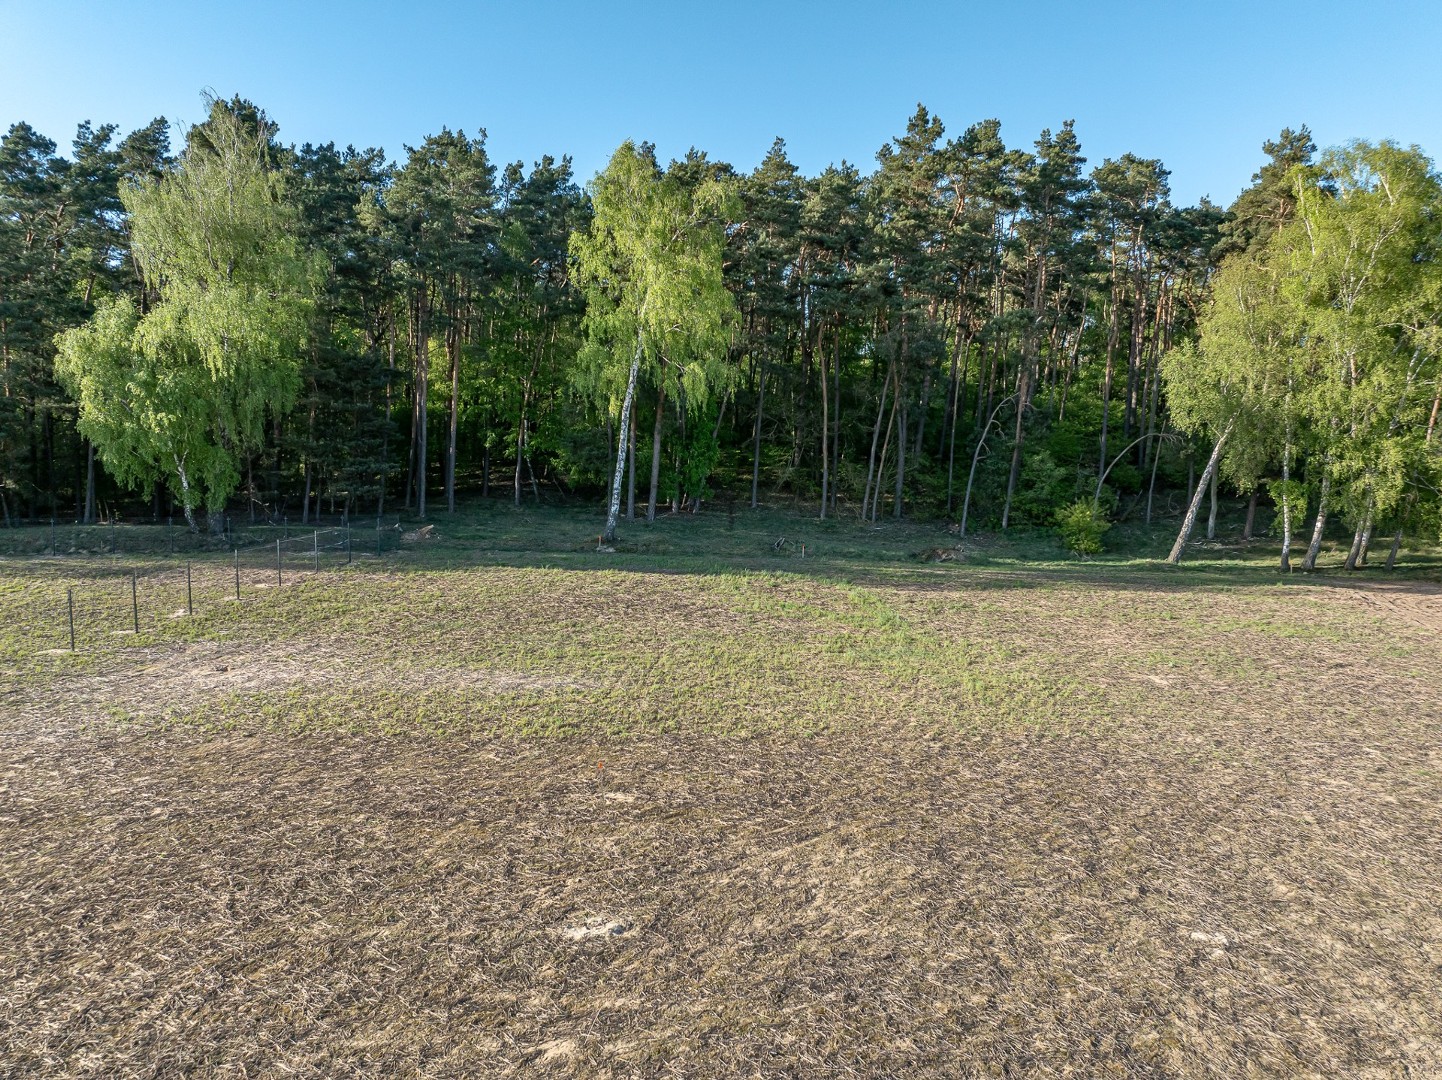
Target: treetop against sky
x=1198 y=85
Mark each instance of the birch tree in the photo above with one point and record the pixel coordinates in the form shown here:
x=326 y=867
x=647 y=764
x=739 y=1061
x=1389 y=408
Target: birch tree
x=650 y=266
x=183 y=390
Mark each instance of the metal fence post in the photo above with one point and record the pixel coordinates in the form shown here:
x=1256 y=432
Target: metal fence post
x=277 y=562
x=189 y=599
x=347 y=544
x=134 y=604
x=170 y=532
x=70 y=610
x=315 y=551
x=237 y=573
x=52 y=537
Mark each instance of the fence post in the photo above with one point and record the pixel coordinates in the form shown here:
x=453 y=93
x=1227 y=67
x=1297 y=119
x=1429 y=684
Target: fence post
x=170 y=532
x=112 y=536
x=134 y=604
x=277 y=563
x=70 y=610
x=347 y=544
x=52 y=537
x=237 y=573
x=315 y=551
x=189 y=600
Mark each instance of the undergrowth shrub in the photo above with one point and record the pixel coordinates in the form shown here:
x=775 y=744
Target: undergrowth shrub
x=1082 y=527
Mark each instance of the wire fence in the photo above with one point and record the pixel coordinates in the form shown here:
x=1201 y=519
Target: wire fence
x=174 y=538
x=108 y=597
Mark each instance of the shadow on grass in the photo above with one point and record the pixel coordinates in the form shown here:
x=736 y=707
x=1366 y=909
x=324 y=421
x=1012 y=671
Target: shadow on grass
x=731 y=541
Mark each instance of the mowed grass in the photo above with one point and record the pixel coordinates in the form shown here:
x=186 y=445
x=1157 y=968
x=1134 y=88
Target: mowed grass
x=498 y=803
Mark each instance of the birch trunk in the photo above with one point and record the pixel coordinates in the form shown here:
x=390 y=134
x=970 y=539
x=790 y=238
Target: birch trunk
x=871 y=459
x=976 y=457
x=631 y=470
x=89 y=482
x=1314 y=548
x=881 y=465
x=656 y=451
x=520 y=452
x=1212 y=512
x=185 y=495
x=1396 y=547
x=1189 y=522
x=609 y=536
x=1286 y=565
x=1366 y=540
x=1355 y=551
x=1021 y=400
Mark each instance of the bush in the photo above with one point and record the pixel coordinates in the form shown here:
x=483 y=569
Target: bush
x=1042 y=488
x=1082 y=527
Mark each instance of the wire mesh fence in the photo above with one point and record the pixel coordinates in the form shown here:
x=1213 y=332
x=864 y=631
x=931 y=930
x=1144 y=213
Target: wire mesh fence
x=99 y=597
x=173 y=538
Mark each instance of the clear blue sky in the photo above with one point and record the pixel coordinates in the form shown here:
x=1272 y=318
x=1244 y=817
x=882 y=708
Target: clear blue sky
x=1199 y=85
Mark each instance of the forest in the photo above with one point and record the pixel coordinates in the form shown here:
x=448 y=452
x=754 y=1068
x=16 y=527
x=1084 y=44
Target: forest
x=970 y=331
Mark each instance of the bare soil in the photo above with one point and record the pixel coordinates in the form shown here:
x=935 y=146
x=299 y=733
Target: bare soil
x=1245 y=880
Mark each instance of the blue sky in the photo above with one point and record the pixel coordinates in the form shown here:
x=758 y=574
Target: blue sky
x=1199 y=85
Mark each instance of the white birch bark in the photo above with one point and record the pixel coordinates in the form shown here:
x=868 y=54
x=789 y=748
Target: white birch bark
x=609 y=536
x=1189 y=522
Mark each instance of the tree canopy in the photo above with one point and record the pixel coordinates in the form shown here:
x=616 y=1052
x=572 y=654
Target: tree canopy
x=1003 y=335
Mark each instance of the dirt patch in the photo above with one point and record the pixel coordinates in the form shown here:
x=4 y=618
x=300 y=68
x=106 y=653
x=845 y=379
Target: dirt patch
x=140 y=681
x=1415 y=603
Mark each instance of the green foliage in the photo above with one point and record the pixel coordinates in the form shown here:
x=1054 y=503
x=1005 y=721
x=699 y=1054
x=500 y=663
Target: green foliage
x=650 y=268
x=1295 y=493
x=1082 y=527
x=334 y=324
x=1044 y=487
x=184 y=390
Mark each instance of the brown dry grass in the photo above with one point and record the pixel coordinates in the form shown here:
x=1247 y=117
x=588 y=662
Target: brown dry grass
x=1220 y=856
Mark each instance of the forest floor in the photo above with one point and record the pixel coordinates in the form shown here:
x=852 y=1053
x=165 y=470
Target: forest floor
x=498 y=804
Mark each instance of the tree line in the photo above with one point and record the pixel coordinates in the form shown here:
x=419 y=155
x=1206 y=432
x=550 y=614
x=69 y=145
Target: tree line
x=996 y=335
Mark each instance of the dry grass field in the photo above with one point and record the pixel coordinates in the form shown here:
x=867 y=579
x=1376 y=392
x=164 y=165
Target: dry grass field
x=502 y=806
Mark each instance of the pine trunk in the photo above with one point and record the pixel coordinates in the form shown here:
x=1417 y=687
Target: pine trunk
x=455 y=344
x=756 y=438
x=423 y=378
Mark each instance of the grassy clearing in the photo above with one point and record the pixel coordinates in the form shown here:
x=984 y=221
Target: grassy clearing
x=499 y=803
